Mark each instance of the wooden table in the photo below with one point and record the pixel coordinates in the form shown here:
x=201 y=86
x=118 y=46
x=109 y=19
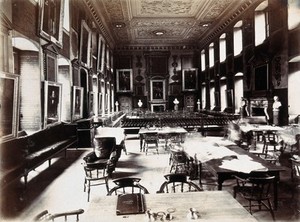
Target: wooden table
x=288 y=137
x=226 y=162
x=256 y=130
x=211 y=205
x=164 y=132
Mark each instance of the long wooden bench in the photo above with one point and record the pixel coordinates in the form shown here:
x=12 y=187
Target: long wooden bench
x=21 y=155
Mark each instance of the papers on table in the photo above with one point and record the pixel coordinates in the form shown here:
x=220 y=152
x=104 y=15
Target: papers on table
x=205 y=151
x=242 y=163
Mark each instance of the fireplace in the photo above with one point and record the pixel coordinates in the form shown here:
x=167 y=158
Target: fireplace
x=158 y=107
x=258 y=106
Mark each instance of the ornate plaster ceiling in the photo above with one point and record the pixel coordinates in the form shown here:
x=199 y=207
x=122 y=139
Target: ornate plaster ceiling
x=182 y=22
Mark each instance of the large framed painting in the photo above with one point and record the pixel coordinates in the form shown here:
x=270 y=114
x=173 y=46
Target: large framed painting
x=261 y=77
x=91 y=103
x=8 y=105
x=189 y=79
x=52 y=103
x=124 y=80
x=100 y=60
x=85 y=44
x=99 y=103
x=77 y=105
x=51 y=67
x=229 y=98
x=50 y=17
x=157 y=89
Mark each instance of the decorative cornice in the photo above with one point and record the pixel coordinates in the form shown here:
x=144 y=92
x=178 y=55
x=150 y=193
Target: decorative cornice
x=5 y=22
x=220 y=27
x=155 y=48
x=107 y=36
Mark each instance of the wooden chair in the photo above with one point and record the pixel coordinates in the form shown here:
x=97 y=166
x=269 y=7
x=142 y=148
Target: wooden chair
x=95 y=175
x=150 y=141
x=295 y=184
x=127 y=185
x=255 y=189
x=295 y=172
x=179 y=161
x=270 y=138
x=174 y=138
x=178 y=183
x=46 y=216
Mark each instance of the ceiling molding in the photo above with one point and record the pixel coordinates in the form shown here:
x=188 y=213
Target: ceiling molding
x=132 y=24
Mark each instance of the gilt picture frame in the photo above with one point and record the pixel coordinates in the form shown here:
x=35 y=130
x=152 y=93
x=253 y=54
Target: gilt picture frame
x=85 y=44
x=77 y=103
x=52 y=103
x=124 y=80
x=190 y=79
x=91 y=103
x=9 y=102
x=157 y=89
x=50 y=20
x=100 y=103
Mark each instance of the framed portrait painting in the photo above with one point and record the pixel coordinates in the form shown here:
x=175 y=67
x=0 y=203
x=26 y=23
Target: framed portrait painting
x=85 y=44
x=124 y=80
x=189 y=79
x=77 y=105
x=8 y=105
x=157 y=88
x=261 y=77
x=91 y=103
x=52 y=103
x=99 y=103
x=100 y=59
x=50 y=17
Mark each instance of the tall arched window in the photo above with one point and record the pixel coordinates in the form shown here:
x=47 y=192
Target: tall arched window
x=261 y=23
x=238 y=38
x=212 y=94
x=211 y=55
x=203 y=94
x=66 y=22
x=202 y=60
x=223 y=93
x=222 y=41
x=238 y=91
x=293 y=14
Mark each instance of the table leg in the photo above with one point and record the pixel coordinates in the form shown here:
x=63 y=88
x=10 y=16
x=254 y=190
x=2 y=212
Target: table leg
x=141 y=143
x=220 y=183
x=276 y=181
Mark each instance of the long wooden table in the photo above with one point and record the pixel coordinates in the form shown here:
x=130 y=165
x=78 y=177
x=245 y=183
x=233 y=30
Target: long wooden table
x=164 y=132
x=211 y=206
x=256 y=130
x=288 y=137
x=225 y=162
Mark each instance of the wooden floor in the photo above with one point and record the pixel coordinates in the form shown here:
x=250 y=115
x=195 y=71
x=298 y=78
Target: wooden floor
x=60 y=187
